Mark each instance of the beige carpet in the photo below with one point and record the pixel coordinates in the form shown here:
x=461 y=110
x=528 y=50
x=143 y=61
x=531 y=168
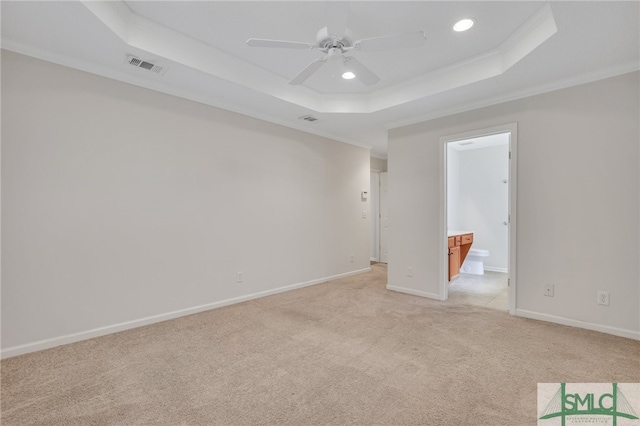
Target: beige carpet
x=344 y=352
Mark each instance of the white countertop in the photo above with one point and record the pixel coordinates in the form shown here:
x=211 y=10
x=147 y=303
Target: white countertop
x=452 y=232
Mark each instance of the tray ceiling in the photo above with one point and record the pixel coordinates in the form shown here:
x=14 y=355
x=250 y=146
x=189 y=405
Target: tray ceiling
x=514 y=49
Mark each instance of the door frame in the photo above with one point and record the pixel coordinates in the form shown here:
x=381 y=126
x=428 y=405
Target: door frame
x=512 y=129
x=374 y=213
x=383 y=256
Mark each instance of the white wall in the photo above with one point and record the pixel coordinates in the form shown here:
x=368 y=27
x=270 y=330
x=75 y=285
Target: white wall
x=378 y=164
x=578 y=202
x=484 y=201
x=122 y=206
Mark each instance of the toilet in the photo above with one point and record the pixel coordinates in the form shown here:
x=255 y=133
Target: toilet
x=474 y=262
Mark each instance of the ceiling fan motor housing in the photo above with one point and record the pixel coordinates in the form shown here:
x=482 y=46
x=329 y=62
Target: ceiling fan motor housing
x=326 y=41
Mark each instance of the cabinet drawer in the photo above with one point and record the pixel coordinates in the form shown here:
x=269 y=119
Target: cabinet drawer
x=458 y=239
x=452 y=242
x=467 y=239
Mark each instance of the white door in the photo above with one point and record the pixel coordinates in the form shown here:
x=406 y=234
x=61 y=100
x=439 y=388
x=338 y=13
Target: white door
x=384 y=218
x=374 y=215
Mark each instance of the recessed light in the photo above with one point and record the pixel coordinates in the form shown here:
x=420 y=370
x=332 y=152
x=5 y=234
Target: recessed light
x=348 y=75
x=463 y=25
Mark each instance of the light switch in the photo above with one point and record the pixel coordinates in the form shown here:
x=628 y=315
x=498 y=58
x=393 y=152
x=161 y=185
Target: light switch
x=364 y=214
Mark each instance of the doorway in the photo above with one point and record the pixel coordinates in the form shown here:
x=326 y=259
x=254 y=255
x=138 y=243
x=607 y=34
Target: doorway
x=478 y=196
x=384 y=218
x=374 y=215
x=379 y=215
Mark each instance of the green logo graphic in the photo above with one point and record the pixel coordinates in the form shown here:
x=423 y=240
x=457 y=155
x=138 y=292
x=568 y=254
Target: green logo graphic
x=612 y=404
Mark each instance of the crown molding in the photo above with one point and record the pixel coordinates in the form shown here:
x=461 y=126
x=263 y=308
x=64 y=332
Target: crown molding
x=149 y=36
x=578 y=80
x=158 y=86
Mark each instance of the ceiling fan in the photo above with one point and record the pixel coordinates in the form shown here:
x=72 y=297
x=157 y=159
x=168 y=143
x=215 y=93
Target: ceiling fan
x=334 y=41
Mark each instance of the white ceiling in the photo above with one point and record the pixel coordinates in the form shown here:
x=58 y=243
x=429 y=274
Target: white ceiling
x=515 y=49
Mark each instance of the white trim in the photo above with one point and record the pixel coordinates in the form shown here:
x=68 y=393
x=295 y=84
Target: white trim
x=513 y=216
x=589 y=77
x=378 y=155
x=383 y=207
x=494 y=269
x=629 y=334
x=127 y=325
x=374 y=214
x=443 y=257
x=373 y=259
x=161 y=87
x=141 y=33
x=413 y=292
x=512 y=129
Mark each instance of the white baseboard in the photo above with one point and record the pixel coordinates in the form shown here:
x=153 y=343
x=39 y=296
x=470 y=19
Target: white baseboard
x=495 y=269
x=629 y=334
x=373 y=259
x=102 y=331
x=413 y=292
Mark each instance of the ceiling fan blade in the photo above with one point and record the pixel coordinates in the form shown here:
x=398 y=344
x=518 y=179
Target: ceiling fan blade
x=336 y=17
x=397 y=41
x=306 y=73
x=261 y=42
x=364 y=74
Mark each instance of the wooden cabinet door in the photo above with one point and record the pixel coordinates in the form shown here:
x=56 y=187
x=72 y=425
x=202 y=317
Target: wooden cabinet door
x=454 y=262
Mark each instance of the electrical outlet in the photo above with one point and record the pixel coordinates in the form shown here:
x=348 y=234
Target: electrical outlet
x=409 y=272
x=239 y=277
x=548 y=290
x=603 y=298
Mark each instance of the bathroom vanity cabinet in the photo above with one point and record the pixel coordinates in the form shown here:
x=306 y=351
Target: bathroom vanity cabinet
x=459 y=245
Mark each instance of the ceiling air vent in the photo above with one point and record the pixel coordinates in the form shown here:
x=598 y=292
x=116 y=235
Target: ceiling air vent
x=309 y=118
x=137 y=62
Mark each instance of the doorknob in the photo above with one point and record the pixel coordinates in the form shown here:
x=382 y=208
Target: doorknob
x=505 y=223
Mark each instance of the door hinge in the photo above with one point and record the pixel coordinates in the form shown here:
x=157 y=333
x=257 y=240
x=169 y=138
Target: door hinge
x=508 y=282
x=509 y=155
